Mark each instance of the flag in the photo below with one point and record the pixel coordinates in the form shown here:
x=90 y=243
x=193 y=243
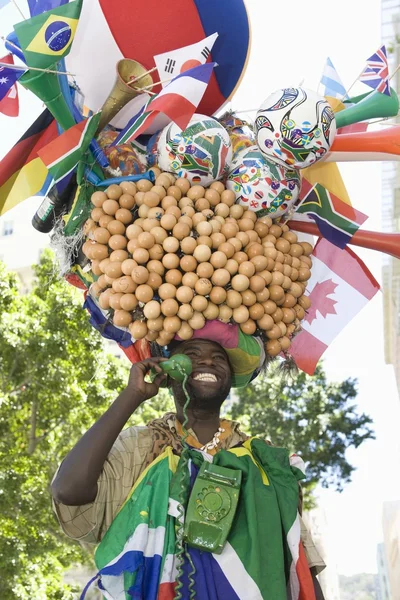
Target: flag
x=336 y=220
x=332 y=82
x=339 y=287
x=177 y=61
x=8 y=76
x=63 y=154
x=376 y=73
x=47 y=38
x=37 y=7
x=22 y=173
x=262 y=557
x=9 y=105
x=177 y=102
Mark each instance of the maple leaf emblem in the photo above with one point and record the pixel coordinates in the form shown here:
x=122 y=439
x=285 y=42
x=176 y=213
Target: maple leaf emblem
x=320 y=301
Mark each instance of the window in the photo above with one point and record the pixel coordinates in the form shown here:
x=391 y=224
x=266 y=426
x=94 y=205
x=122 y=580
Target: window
x=8 y=228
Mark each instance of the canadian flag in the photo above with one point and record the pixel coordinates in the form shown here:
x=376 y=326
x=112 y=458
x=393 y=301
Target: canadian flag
x=339 y=287
x=170 y=64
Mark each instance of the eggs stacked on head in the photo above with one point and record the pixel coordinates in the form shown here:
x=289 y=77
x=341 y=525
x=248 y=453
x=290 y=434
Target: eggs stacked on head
x=170 y=256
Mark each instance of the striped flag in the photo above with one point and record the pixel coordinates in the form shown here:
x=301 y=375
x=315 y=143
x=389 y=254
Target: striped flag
x=337 y=221
x=332 y=82
x=63 y=154
x=180 y=60
x=376 y=73
x=262 y=559
x=339 y=287
x=22 y=173
x=176 y=102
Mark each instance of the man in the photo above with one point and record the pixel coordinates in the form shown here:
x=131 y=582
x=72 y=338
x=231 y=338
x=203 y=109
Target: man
x=94 y=503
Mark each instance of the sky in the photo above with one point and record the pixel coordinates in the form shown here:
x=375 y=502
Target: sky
x=290 y=41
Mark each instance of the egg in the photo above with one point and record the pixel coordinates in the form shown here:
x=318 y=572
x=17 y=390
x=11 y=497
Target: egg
x=144 y=185
x=95 y=266
x=276 y=292
x=103 y=264
x=141 y=255
x=172 y=324
x=221 y=277
x=168 y=201
x=152 y=310
x=170 y=245
x=240 y=283
x=205 y=270
x=249 y=327
x=188 y=211
x=243 y=237
x=217 y=239
x=212 y=196
x=266 y=322
x=303 y=274
x=95 y=290
x=146 y=240
x=186 y=220
x=188 y=263
x=182 y=184
x=105 y=220
x=170 y=261
x=203 y=287
x=290 y=301
x=234 y=299
x=296 y=250
x=122 y=318
x=104 y=299
x=256 y=311
x=296 y=290
x=248 y=297
x=156 y=252
x=197 y=321
x=202 y=253
x=184 y=294
x=155 y=266
x=290 y=236
x=181 y=231
x=155 y=324
x=227 y=249
x=167 y=290
x=274 y=333
x=163 y=180
x=110 y=207
x=114 y=270
x=186 y=203
x=257 y=283
x=132 y=245
x=139 y=197
x=128 y=187
x=128 y=302
x=185 y=311
x=237 y=244
x=218 y=295
x=195 y=192
x=283 y=245
x=240 y=314
x=197 y=218
x=304 y=302
x=126 y=285
x=159 y=190
x=287 y=283
x=96 y=214
x=169 y=307
x=154 y=280
x=304 y=262
x=99 y=252
x=144 y=293
x=225 y=313
x=115 y=300
x=139 y=274
x=204 y=240
x=273 y=347
x=174 y=277
x=204 y=228
x=98 y=199
x=254 y=249
x=218 y=259
x=116 y=227
x=199 y=303
x=307 y=248
x=124 y=215
x=174 y=191
x=185 y=332
x=138 y=330
x=190 y=279
x=222 y=210
x=201 y=204
x=211 y=312
x=246 y=267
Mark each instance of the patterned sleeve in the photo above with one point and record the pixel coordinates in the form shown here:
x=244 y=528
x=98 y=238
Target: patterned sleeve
x=124 y=464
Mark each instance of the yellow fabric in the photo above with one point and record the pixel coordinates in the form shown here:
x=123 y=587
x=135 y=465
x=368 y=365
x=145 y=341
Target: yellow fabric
x=23 y=184
x=246 y=452
x=335 y=104
x=328 y=175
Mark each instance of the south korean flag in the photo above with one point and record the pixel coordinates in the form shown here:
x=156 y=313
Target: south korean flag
x=170 y=64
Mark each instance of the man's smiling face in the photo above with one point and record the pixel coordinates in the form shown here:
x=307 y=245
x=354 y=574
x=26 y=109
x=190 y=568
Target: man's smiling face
x=210 y=381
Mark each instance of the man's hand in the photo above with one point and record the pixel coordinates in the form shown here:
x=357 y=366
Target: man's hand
x=141 y=389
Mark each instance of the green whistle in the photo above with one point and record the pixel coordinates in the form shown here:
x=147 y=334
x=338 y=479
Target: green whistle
x=178 y=367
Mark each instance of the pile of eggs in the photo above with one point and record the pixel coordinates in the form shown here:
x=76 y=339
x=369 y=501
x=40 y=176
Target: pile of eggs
x=170 y=256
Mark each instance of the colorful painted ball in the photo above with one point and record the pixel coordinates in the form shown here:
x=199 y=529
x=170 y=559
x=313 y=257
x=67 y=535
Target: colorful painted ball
x=123 y=158
x=295 y=127
x=261 y=185
x=201 y=153
x=58 y=35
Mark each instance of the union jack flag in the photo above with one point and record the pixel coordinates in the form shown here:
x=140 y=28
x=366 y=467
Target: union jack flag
x=376 y=73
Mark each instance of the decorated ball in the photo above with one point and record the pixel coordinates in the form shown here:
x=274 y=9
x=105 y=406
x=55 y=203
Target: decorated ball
x=261 y=185
x=295 y=127
x=124 y=159
x=58 y=35
x=201 y=153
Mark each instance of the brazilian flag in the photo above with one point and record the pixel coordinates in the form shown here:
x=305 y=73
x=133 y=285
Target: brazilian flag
x=47 y=38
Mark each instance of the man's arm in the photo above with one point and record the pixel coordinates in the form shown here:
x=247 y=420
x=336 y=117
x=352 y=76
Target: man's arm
x=317 y=588
x=76 y=481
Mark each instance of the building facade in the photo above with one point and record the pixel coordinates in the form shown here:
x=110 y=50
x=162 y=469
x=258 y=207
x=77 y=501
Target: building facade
x=383 y=585
x=391 y=201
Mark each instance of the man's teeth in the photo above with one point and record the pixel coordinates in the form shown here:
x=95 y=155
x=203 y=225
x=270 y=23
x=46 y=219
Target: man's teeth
x=205 y=377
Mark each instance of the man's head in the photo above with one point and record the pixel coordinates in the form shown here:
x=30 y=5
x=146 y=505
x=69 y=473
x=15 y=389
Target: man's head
x=210 y=381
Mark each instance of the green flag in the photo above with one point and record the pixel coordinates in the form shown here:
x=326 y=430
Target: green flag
x=47 y=38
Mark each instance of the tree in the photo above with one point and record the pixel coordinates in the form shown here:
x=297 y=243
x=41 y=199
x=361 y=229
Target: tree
x=309 y=416
x=55 y=381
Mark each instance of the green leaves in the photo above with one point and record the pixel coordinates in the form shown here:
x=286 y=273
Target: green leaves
x=309 y=416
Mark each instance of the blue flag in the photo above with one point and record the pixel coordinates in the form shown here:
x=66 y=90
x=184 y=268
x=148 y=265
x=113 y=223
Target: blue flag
x=37 y=7
x=8 y=75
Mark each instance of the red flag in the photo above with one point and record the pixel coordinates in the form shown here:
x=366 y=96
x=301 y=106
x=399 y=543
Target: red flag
x=339 y=287
x=9 y=105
